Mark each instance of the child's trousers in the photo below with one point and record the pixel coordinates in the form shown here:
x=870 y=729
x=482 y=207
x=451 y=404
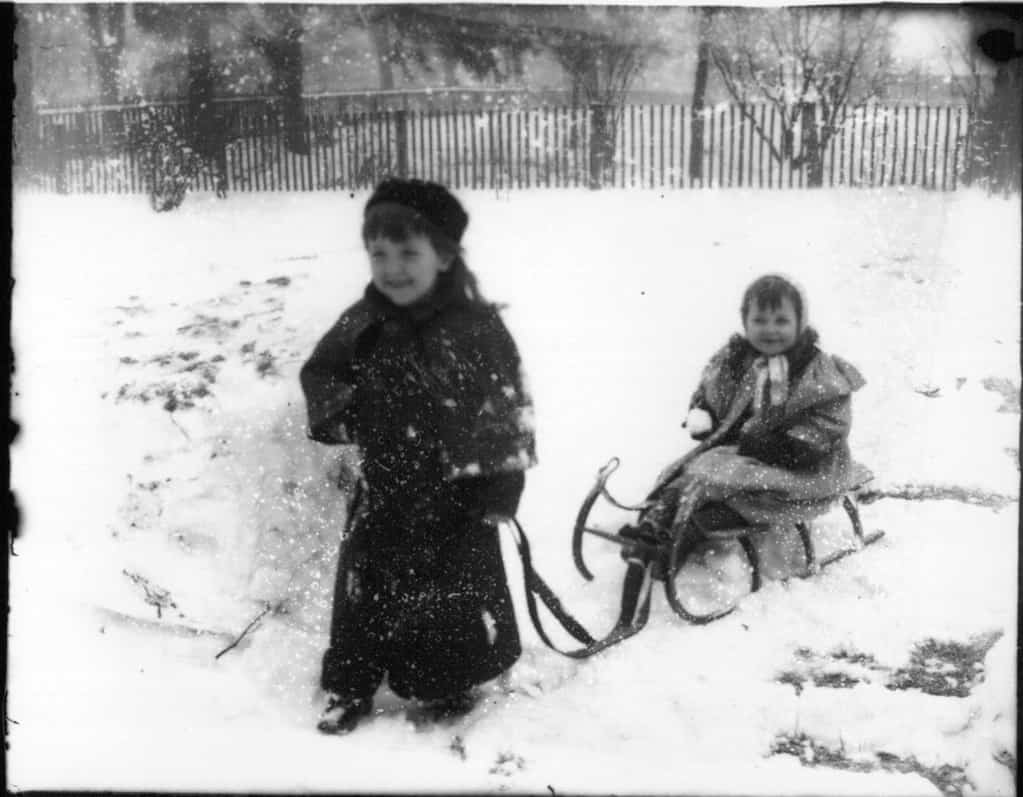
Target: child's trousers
x=421 y=598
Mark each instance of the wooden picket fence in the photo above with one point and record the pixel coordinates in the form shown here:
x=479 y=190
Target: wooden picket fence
x=519 y=148
x=872 y=146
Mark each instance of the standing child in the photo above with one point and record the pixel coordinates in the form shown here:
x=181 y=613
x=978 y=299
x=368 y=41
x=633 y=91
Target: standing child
x=422 y=375
x=772 y=413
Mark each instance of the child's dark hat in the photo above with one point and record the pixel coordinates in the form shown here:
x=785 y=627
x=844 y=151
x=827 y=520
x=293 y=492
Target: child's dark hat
x=431 y=200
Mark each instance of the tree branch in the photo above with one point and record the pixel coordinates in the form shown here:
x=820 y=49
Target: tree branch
x=755 y=74
x=743 y=109
x=725 y=70
x=267 y=608
x=854 y=62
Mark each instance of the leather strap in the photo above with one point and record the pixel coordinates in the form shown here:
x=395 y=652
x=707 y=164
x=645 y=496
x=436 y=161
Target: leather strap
x=634 y=613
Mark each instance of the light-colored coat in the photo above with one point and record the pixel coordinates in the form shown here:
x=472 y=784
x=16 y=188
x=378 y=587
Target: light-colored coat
x=817 y=414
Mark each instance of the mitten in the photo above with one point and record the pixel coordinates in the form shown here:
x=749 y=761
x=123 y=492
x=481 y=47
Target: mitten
x=778 y=449
x=497 y=497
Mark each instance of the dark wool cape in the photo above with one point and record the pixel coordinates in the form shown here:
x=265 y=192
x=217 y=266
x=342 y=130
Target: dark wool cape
x=433 y=396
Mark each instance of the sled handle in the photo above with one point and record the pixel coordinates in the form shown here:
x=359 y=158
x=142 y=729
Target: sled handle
x=584 y=512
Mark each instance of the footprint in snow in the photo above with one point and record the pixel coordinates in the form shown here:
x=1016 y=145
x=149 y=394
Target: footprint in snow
x=507 y=764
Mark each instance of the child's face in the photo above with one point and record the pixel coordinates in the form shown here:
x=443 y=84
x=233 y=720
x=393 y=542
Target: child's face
x=772 y=331
x=405 y=271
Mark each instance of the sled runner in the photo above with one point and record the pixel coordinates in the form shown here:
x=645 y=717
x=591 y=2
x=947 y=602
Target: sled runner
x=670 y=551
x=678 y=557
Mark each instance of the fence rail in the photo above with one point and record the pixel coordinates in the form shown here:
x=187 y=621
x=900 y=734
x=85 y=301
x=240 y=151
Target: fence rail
x=645 y=146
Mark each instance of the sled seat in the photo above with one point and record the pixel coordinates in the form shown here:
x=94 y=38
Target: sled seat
x=718 y=521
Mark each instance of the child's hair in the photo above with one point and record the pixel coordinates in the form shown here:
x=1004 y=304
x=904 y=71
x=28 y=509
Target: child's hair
x=400 y=222
x=397 y=222
x=768 y=292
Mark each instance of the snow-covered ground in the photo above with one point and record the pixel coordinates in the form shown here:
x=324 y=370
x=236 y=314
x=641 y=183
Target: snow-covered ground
x=169 y=497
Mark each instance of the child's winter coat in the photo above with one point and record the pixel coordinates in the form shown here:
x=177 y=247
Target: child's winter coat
x=796 y=453
x=434 y=398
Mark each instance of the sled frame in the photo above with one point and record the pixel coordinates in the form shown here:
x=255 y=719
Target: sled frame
x=667 y=555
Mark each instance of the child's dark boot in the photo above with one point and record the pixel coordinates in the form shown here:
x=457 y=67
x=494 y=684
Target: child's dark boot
x=342 y=716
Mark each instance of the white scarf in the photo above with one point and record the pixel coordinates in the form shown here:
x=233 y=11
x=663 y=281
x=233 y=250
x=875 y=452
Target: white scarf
x=772 y=386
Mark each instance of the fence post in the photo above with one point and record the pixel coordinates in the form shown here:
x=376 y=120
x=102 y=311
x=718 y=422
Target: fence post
x=60 y=156
x=401 y=140
x=598 y=144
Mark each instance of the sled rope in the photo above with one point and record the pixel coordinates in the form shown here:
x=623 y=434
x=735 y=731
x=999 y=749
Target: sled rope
x=635 y=606
x=646 y=564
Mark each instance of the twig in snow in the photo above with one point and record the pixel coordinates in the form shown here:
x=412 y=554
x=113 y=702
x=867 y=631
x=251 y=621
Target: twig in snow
x=256 y=313
x=180 y=427
x=937 y=492
x=266 y=610
x=177 y=629
x=154 y=595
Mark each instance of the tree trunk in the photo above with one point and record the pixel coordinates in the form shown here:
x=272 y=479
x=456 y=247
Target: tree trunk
x=25 y=147
x=518 y=69
x=286 y=65
x=601 y=145
x=106 y=35
x=382 y=46
x=201 y=79
x=999 y=121
x=813 y=146
x=450 y=81
x=1002 y=129
x=699 y=97
x=205 y=129
x=280 y=42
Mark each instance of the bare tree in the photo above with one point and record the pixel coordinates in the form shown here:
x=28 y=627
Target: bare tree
x=603 y=49
x=205 y=129
x=191 y=22
x=488 y=41
x=1000 y=118
x=106 y=36
x=276 y=31
x=704 y=22
x=602 y=58
x=967 y=74
x=377 y=23
x=983 y=47
x=809 y=63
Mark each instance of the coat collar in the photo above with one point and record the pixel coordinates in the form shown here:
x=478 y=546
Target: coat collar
x=802 y=352
x=446 y=293
x=814 y=377
x=799 y=355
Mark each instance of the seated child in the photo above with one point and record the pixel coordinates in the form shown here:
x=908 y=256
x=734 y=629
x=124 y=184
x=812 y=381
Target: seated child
x=772 y=413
